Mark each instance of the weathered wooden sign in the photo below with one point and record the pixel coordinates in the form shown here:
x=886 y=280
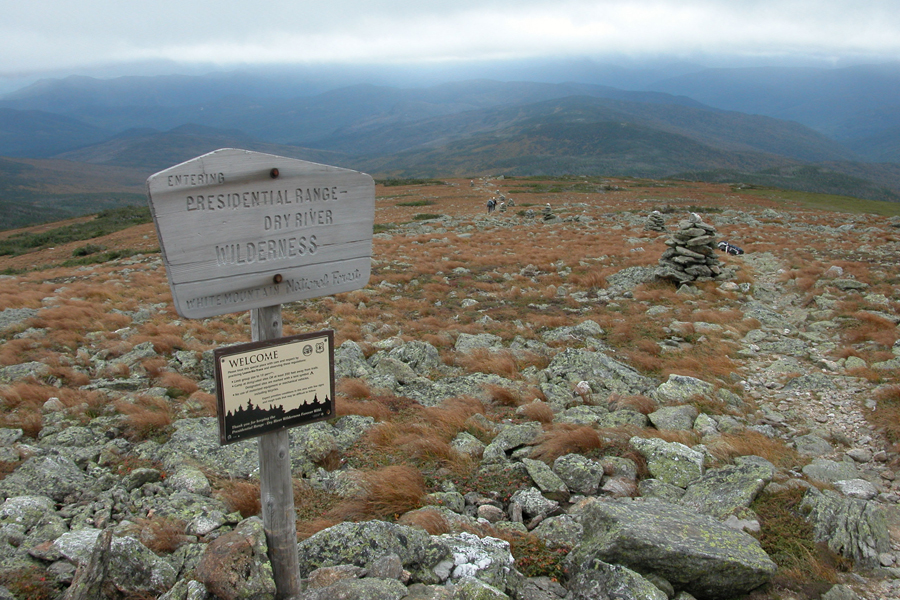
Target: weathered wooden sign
x=242 y=230
x=273 y=384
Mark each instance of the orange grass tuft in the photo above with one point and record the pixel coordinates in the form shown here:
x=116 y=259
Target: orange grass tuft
x=388 y=492
x=145 y=417
x=565 y=439
x=241 y=496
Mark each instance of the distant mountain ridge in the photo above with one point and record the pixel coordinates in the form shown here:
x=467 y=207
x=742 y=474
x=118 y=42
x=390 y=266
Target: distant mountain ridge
x=477 y=127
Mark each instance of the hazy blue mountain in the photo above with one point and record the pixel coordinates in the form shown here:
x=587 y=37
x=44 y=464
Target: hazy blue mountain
x=845 y=103
x=34 y=133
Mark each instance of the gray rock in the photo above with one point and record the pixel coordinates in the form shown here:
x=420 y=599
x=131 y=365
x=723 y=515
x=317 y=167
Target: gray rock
x=660 y=490
x=830 y=471
x=856 y=488
x=579 y=473
x=533 y=503
x=682 y=388
x=550 y=484
x=14 y=373
x=350 y=362
x=812 y=445
x=674 y=417
x=670 y=462
x=582 y=415
x=562 y=530
x=422 y=357
x=467 y=342
x=595 y=579
x=722 y=492
x=469 y=588
x=134 y=569
x=419 y=552
x=54 y=475
x=235 y=566
x=694 y=552
x=185 y=589
x=840 y=592
x=196 y=442
x=486 y=559
x=190 y=480
x=851 y=527
x=604 y=374
x=468 y=444
x=511 y=438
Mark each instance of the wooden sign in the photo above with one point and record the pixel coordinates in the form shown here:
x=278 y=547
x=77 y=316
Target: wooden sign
x=241 y=230
x=274 y=384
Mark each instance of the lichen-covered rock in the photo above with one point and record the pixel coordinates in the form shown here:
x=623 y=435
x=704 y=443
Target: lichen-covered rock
x=470 y=588
x=681 y=388
x=851 y=527
x=694 y=552
x=830 y=471
x=603 y=374
x=594 y=579
x=422 y=357
x=671 y=462
x=562 y=530
x=196 y=442
x=486 y=559
x=581 y=474
x=418 y=551
x=54 y=475
x=134 y=569
x=511 y=438
x=350 y=362
x=674 y=417
x=721 y=492
x=468 y=342
x=367 y=588
x=533 y=502
x=550 y=484
x=235 y=566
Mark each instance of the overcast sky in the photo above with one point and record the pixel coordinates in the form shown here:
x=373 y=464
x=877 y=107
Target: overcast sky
x=56 y=36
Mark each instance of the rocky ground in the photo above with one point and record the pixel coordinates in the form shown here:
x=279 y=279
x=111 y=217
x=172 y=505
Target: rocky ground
x=784 y=314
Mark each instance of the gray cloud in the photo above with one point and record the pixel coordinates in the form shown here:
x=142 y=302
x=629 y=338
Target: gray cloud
x=63 y=35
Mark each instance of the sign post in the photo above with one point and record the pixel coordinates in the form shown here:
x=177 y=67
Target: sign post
x=242 y=230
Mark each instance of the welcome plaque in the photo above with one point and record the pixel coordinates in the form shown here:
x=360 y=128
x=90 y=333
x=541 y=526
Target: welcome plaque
x=241 y=230
x=268 y=385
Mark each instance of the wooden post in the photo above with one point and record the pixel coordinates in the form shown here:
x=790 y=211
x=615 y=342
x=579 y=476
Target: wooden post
x=276 y=487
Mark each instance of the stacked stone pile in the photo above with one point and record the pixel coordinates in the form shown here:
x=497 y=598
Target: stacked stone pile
x=655 y=222
x=691 y=255
x=547 y=213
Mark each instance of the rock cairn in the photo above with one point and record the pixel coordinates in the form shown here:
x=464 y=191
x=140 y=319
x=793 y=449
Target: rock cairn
x=547 y=212
x=691 y=255
x=655 y=222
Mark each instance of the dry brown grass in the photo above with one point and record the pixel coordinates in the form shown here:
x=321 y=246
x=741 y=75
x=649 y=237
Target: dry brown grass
x=387 y=493
x=565 y=439
x=145 y=417
x=371 y=408
x=503 y=396
x=451 y=416
x=483 y=360
x=727 y=446
x=163 y=535
x=355 y=389
x=241 y=496
x=428 y=520
x=639 y=403
x=178 y=383
x=537 y=411
x=886 y=416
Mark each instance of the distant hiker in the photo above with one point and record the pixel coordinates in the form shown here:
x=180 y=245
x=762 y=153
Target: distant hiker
x=729 y=248
x=490 y=205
